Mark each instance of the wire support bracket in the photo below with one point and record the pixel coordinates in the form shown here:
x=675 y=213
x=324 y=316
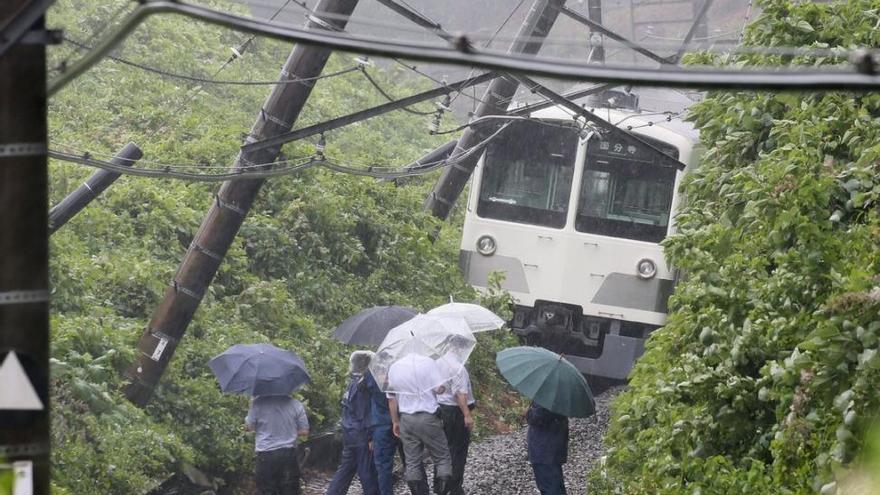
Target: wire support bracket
x=23 y=149
x=42 y=37
x=24 y=450
x=436 y=197
x=321 y=22
x=24 y=297
x=187 y=291
x=293 y=78
x=207 y=252
x=459 y=167
x=229 y=206
x=275 y=120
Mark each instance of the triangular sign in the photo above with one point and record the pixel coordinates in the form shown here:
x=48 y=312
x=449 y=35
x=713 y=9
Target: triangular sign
x=16 y=390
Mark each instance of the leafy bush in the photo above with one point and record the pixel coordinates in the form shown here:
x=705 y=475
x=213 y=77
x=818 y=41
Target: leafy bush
x=764 y=378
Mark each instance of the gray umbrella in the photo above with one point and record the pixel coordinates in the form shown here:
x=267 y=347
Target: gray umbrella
x=259 y=369
x=370 y=326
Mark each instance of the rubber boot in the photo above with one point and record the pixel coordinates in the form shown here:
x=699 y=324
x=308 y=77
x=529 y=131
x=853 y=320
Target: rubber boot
x=419 y=487
x=441 y=485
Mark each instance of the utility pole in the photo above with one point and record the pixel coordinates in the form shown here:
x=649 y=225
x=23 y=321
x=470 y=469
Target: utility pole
x=24 y=254
x=231 y=205
x=597 y=46
x=61 y=213
x=495 y=100
x=701 y=21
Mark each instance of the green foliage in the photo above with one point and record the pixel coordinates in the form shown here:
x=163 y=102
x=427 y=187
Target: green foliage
x=764 y=378
x=315 y=248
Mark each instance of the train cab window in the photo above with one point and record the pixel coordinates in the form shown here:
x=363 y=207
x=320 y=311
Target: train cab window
x=624 y=192
x=527 y=174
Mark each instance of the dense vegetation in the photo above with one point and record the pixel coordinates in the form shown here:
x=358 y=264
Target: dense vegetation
x=315 y=248
x=765 y=378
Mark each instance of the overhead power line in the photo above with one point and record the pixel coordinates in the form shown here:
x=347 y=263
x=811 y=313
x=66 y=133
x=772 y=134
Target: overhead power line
x=468 y=55
x=279 y=168
x=207 y=80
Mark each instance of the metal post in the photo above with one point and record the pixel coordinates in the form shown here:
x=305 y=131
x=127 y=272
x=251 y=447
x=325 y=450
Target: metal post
x=495 y=100
x=24 y=260
x=231 y=205
x=61 y=213
x=597 y=48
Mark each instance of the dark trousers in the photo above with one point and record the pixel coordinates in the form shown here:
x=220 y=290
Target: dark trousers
x=459 y=439
x=549 y=479
x=277 y=472
x=355 y=459
x=384 y=445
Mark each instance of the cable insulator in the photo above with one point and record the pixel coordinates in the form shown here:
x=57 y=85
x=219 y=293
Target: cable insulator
x=363 y=61
x=443 y=106
x=319 y=148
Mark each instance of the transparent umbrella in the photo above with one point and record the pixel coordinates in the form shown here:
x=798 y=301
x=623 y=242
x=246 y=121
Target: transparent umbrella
x=422 y=353
x=478 y=318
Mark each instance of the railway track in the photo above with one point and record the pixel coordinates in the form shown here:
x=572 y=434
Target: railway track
x=498 y=465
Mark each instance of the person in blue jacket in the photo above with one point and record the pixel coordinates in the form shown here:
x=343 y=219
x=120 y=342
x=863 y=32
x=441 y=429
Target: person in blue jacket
x=384 y=441
x=547 y=440
x=356 y=418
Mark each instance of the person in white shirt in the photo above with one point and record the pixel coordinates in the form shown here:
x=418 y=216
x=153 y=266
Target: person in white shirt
x=456 y=403
x=414 y=382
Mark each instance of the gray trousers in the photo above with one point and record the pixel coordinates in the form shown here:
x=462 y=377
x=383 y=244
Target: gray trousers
x=418 y=432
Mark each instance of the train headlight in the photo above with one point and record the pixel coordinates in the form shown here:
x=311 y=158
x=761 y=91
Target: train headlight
x=486 y=245
x=646 y=268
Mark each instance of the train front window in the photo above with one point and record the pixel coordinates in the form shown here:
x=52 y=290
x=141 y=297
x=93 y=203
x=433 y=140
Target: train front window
x=624 y=193
x=527 y=174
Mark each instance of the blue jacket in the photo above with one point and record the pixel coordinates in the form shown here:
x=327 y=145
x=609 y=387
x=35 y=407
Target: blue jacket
x=380 y=415
x=547 y=437
x=356 y=413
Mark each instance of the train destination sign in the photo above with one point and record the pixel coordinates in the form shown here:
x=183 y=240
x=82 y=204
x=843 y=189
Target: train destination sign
x=632 y=152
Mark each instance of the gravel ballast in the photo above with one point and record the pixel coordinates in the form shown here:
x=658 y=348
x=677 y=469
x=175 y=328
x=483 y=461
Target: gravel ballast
x=498 y=465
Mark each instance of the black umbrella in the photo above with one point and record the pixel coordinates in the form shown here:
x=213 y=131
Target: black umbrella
x=259 y=369
x=369 y=327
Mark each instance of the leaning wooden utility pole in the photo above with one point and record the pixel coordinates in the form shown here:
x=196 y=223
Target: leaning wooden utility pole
x=495 y=100
x=24 y=253
x=231 y=205
x=61 y=213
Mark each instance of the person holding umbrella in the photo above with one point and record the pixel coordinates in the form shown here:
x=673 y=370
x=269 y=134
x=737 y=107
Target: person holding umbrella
x=269 y=375
x=356 y=451
x=407 y=368
x=415 y=422
x=547 y=441
x=278 y=421
x=558 y=391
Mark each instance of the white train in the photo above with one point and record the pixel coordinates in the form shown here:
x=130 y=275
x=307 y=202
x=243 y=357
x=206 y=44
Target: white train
x=574 y=220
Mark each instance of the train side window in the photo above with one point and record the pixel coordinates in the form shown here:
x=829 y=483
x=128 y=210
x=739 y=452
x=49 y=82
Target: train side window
x=527 y=174
x=628 y=197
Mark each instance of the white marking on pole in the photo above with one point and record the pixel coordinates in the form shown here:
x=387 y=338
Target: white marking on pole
x=16 y=390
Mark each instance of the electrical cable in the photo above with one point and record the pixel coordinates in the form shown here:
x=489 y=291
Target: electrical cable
x=486 y=45
x=742 y=32
x=859 y=77
x=169 y=171
x=205 y=80
x=389 y=97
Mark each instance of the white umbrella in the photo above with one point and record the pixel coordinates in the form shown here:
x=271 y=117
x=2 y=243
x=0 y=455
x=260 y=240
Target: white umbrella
x=422 y=353
x=478 y=318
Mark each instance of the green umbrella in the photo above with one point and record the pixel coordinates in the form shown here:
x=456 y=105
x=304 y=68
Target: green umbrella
x=548 y=379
